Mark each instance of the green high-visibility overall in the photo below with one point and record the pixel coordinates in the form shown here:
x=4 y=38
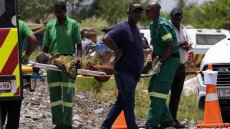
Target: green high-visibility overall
x=61 y=90
x=61 y=38
x=159 y=86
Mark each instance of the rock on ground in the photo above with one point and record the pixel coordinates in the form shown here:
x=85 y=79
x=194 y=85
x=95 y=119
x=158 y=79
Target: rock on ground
x=35 y=110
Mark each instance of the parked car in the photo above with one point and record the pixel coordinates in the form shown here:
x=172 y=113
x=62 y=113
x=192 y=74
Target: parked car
x=219 y=56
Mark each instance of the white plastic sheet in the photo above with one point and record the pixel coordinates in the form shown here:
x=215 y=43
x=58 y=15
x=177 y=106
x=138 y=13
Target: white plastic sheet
x=210 y=77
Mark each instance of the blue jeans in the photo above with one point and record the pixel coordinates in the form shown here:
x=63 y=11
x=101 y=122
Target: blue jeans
x=126 y=85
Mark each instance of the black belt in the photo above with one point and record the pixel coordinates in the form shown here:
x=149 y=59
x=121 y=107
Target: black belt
x=66 y=54
x=177 y=55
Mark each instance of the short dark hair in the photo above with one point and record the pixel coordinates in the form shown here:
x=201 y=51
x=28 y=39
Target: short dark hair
x=60 y=4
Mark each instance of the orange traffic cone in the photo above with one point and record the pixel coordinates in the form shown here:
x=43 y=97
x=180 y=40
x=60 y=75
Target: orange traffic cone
x=212 y=113
x=120 y=122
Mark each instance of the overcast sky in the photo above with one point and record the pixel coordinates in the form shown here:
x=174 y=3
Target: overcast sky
x=167 y=5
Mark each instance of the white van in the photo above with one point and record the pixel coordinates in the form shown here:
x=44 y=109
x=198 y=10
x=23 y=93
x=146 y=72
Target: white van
x=203 y=39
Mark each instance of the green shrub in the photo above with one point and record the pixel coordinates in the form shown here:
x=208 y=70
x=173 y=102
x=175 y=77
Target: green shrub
x=96 y=23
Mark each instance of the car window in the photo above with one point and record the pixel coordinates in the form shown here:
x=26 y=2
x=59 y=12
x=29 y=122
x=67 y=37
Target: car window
x=202 y=39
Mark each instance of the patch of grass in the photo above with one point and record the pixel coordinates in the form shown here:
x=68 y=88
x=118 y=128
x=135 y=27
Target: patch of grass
x=188 y=108
x=105 y=92
x=142 y=98
x=108 y=93
x=84 y=83
x=94 y=22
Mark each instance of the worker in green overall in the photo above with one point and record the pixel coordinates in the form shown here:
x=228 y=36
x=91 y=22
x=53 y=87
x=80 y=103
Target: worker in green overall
x=165 y=46
x=60 y=37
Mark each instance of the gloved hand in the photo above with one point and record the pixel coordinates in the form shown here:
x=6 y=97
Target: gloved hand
x=155 y=69
x=25 y=59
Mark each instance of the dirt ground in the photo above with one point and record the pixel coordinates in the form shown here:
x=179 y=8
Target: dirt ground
x=87 y=113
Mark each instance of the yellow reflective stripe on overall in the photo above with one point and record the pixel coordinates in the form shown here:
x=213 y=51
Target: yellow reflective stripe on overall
x=56 y=103
x=60 y=102
x=67 y=84
x=166 y=37
x=68 y=104
x=54 y=84
x=64 y=84
x=158 y=95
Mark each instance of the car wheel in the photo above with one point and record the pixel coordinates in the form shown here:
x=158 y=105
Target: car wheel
x=201 y=103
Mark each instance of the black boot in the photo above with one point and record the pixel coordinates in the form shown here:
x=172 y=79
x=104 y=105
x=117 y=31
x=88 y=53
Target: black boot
x=178 y=125
x=67 y=127
x=148 y=126
x=58 y=127
x=166 y=124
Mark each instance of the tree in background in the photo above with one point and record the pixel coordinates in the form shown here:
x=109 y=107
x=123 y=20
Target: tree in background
x=111 y=10
x=35 y=10
x=181 y=3
x=212 y=14
x=38 y=11
x=74 y=7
